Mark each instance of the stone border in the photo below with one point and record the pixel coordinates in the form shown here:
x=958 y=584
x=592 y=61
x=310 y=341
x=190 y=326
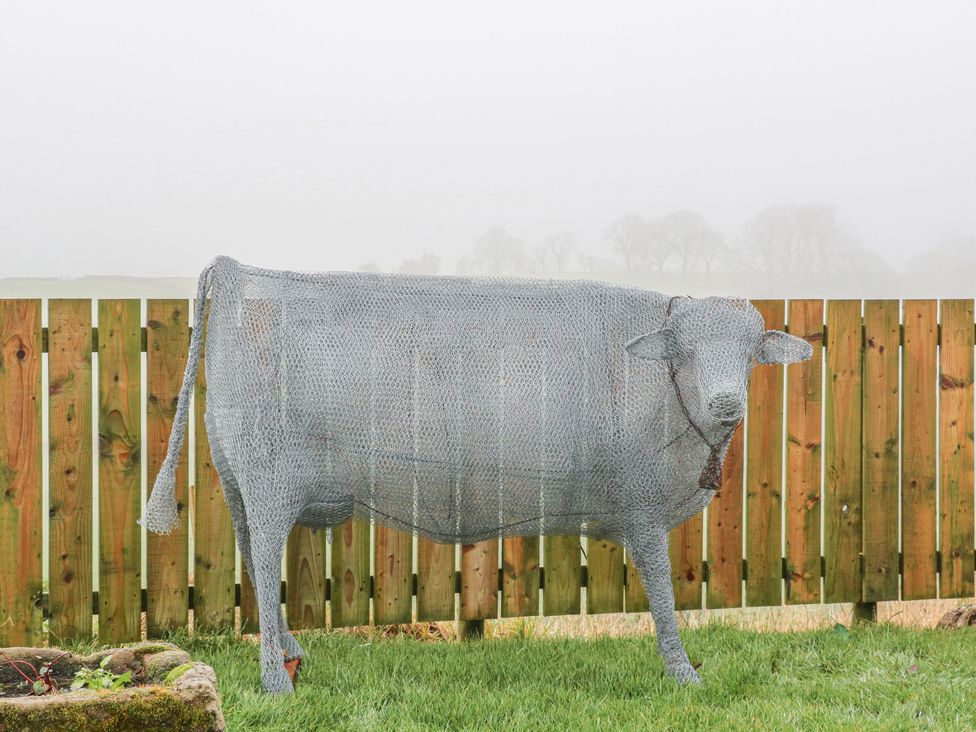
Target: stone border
x=176 y=692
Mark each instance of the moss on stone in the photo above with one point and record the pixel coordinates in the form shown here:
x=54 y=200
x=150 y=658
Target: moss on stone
x=150 y=709
x=174 y=674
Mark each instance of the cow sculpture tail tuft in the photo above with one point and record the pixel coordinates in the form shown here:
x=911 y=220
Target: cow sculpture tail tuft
x=161 y=514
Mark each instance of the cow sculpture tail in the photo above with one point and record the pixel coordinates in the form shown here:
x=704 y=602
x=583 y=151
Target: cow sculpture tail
x=161 y=515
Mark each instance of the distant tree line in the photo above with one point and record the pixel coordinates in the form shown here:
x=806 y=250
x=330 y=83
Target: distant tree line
x=777 y=239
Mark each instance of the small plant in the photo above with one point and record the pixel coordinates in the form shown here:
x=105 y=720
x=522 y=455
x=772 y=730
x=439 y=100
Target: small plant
x=41 y=683
x=100 y=678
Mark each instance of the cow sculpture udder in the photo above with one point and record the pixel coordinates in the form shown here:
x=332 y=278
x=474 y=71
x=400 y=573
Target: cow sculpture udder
x=463 y=409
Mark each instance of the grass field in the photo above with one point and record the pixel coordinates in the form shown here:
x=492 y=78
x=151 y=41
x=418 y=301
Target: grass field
x=879 y=678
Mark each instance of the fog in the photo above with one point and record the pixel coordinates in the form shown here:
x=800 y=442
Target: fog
x=543 y=138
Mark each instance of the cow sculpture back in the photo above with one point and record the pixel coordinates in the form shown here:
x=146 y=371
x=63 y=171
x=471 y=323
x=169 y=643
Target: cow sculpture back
x=463 y=409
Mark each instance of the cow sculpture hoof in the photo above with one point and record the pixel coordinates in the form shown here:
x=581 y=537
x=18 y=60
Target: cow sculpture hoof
x=685 y=674
x=291 y=666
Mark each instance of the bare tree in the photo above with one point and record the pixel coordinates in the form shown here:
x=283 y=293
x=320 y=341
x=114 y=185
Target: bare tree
x=806 y=239
x=427 y=263
x=555 y=253
x=370 y=266
x=630 y=238
x=496 y=252
x=687 y=239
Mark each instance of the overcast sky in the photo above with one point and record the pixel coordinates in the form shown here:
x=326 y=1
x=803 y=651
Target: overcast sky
x=145 y=138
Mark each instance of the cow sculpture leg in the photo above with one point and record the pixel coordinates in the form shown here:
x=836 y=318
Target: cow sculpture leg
x=232 y=494
x=651 y=557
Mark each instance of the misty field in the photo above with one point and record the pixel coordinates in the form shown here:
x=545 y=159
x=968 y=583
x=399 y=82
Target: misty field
x=878 y=678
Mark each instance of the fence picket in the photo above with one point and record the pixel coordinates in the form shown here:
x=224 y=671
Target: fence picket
x=70 y=462
x=842 y=453
x=764 y=472
x=349 y=599
x=520 y=576
x=20 y=473
x=879 y=451
x=119 y=437
x=724 y=585
x=920 y=368
x=561 y=560
x=604 y=577
x=685 y=549
x=804 y=441
x=167 y=335
x=956 y=440
x=305 y=578
x=213 y=533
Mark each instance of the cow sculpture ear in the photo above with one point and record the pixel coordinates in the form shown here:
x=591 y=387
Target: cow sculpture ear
x=780 y=347
x=659 y=345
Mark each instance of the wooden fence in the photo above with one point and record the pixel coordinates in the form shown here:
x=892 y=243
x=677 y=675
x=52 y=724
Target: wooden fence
x=852 y=480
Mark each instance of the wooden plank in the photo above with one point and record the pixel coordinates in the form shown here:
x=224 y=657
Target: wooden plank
x=20 y=473
x=479 y=580
x=804 y=441
x=393 y=576
x=350 y=574
x=520 y=576
x=842 y=453
x=119 y=438
x=956 y=453
x=250 y=617
x=635 y=600
x=435 y=580
x=879 y=450
x=604 y=577
x=213 y=533
x=561 y=558
x=70 y=461
x=685 y=548
x=724 y=540
x=305 y=578
x=764 y=472
x=920 y=372
x=167 y=337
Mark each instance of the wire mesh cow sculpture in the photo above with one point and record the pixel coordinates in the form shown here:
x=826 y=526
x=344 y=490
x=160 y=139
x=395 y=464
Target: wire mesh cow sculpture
x=463 y=409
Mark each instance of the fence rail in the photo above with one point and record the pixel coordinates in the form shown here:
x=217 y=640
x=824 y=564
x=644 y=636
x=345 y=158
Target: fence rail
x=850 y=480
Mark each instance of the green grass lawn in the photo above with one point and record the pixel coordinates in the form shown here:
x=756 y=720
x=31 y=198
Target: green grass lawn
x=883 y=678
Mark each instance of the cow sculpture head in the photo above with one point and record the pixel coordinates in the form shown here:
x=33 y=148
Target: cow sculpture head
x=711 y=346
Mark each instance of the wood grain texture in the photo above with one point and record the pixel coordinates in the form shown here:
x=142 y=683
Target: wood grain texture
x=764 y=472
x=479 y=580
x=435 y=580
x=879 y=450
x=685 y=549
x=724 y=540
x=604 y=577
x=349 y=600
x=520 y=576
x=250 y=617
x=804 y=441
x=919 y=460
x=167 y=340
x=842 y=453
x=393 y=576
x=956 y=449
x=635 y=599
x=20 y=473
x=213 y=534
x=305 y=578
x=561 y=559
x=70 y=462
x=119 y=438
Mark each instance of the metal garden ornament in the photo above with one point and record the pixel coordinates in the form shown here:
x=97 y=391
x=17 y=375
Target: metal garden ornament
x=463 y=409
